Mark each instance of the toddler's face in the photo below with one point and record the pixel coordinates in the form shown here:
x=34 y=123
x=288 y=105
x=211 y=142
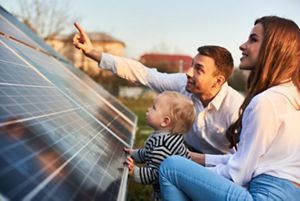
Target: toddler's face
x=157 y=112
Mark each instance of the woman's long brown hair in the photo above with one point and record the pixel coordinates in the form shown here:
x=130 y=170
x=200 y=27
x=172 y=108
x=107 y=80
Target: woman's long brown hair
x=278 y=62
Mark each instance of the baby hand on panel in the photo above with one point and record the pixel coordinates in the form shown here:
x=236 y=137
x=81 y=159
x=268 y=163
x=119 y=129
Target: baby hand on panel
x=128 y=151
x=130 y=164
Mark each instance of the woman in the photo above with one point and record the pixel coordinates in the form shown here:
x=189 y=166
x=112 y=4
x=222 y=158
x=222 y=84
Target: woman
x=266 y=165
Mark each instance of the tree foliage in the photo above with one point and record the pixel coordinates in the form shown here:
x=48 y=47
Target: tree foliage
x=47 y=18
x=238 y=80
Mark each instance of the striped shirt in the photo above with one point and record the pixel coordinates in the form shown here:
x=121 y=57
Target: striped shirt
x=158 y=147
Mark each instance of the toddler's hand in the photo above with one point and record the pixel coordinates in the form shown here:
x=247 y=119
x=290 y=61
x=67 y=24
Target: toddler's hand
x=127 y=150
x=130 y=164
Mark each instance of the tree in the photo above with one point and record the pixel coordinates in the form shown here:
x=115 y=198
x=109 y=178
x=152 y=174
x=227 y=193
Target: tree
x=47 y=18
x=238 y=80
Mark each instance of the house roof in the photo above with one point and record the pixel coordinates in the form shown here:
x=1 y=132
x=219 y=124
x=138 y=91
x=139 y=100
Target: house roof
x=183 y=60
x=103 y=37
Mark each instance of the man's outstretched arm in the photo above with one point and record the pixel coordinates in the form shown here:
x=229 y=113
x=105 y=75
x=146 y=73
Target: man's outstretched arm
x=129 y=69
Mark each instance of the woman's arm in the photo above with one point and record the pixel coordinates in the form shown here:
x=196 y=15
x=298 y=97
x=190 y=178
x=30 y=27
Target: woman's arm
x=259 y=129
x=209 y=159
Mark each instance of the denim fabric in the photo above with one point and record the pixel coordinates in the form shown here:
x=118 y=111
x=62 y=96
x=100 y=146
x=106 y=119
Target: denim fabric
x=182 y=179
x=266 y=187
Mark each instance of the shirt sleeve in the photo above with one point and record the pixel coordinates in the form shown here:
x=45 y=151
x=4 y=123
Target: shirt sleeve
x=136 y=72
x=149 y=173
x=145 y=175
x=259 y=129
x=212 y=160
x=138 y=155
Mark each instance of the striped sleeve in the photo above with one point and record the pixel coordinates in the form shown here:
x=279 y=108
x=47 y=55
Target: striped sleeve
x=139 y=155
x=162 y=148
x=175 y=144
x=148 y=174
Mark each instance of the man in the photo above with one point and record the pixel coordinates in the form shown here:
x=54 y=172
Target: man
x=205 y=84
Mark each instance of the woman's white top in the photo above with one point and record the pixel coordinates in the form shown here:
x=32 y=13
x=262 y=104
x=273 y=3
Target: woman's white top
x=270 y=139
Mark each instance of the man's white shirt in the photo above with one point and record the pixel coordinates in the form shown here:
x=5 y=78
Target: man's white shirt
x=208 y=131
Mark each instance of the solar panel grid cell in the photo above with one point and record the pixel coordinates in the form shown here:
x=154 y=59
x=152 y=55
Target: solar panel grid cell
x=99 y=90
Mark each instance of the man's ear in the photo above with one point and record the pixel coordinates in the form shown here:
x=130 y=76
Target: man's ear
x=166 y=122
x=220 y=79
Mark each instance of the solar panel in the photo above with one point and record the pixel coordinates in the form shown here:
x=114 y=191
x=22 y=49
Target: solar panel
x=61 y=134
x=18 y=31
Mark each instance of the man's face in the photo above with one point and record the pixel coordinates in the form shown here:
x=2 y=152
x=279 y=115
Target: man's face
x=201 y=77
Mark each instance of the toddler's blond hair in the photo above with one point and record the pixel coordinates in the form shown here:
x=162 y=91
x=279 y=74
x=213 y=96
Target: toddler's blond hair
x=181 y=111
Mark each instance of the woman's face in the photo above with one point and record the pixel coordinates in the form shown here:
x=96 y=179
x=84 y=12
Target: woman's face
x=250 y=48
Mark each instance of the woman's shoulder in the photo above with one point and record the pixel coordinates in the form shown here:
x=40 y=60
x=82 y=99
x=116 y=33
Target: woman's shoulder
x=278 y=95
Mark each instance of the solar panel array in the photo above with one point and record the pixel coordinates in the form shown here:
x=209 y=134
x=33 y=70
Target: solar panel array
x=61 y=134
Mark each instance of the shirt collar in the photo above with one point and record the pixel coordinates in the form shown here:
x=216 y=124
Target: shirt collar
x=160 y=133
x=218 y=99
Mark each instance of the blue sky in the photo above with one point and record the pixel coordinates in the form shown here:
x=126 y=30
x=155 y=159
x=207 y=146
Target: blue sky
x=175 y=26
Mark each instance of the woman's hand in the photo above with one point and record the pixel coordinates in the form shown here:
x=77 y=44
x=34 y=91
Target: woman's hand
x=197 y=157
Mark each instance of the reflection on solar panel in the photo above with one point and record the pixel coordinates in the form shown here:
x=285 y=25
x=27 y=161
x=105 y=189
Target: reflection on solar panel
x=61 y=134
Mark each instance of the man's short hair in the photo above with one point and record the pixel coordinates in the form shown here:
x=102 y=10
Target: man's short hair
x=222 y=58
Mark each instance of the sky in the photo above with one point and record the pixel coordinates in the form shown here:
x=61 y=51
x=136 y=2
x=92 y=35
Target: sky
x=174 y=26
